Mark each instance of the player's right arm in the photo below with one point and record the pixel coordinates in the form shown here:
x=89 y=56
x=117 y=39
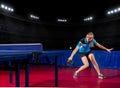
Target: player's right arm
x=74 y=52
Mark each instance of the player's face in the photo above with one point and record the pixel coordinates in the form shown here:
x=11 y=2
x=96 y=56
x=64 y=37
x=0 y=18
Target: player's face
x=89 y=39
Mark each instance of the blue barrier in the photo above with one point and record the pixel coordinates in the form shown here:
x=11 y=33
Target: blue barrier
x=103 y=58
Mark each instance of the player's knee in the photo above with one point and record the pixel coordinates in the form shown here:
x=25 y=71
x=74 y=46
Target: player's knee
x=86 y=65
x=91 y=55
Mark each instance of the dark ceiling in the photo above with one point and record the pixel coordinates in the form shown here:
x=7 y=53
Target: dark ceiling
x=71 y=9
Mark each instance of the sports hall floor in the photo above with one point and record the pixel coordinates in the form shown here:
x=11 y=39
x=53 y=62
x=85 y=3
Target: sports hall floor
x=43 y=76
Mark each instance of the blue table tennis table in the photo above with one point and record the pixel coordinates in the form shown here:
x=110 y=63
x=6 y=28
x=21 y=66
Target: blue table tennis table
x=17 y=52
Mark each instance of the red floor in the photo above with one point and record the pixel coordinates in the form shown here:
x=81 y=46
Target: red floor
x=43 y=76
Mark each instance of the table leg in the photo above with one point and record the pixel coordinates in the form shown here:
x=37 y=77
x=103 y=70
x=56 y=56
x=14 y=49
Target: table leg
x=56 y=71
x=10 y=73
x=27 y=74
x=17 y=74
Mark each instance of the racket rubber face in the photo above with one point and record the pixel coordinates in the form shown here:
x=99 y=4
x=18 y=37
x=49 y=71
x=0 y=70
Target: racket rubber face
x=69 y=63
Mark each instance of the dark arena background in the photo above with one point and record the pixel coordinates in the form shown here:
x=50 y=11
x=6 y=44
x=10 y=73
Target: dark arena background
x=59 y=28
x=58 y=36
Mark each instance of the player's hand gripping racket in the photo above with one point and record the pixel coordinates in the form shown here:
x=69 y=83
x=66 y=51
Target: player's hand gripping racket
x=69 y=62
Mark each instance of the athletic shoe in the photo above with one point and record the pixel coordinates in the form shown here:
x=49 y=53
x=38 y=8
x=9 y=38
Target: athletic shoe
x=101 y=76
x=75 y=75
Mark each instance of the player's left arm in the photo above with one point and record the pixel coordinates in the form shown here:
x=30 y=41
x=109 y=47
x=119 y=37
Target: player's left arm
x=102 y=47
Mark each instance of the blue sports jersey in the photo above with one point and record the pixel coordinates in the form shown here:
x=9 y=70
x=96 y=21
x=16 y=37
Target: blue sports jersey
x=85 y=47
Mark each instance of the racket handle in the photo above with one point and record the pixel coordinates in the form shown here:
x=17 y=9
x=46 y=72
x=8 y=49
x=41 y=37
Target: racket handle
x=70 y=62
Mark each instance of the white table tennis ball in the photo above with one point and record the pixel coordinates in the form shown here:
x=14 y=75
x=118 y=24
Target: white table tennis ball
x=70 y=47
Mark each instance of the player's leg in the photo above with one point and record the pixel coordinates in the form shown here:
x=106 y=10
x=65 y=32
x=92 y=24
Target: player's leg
x=85 y=65
x=95 y=64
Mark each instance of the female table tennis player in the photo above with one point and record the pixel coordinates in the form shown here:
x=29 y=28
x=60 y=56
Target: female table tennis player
x=84 y=47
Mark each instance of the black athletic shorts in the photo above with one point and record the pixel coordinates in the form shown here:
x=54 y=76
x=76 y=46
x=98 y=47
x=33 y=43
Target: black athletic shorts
x=84 y=54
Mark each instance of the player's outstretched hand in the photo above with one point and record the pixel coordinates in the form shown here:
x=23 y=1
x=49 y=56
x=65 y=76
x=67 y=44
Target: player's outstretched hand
x=109 y=50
